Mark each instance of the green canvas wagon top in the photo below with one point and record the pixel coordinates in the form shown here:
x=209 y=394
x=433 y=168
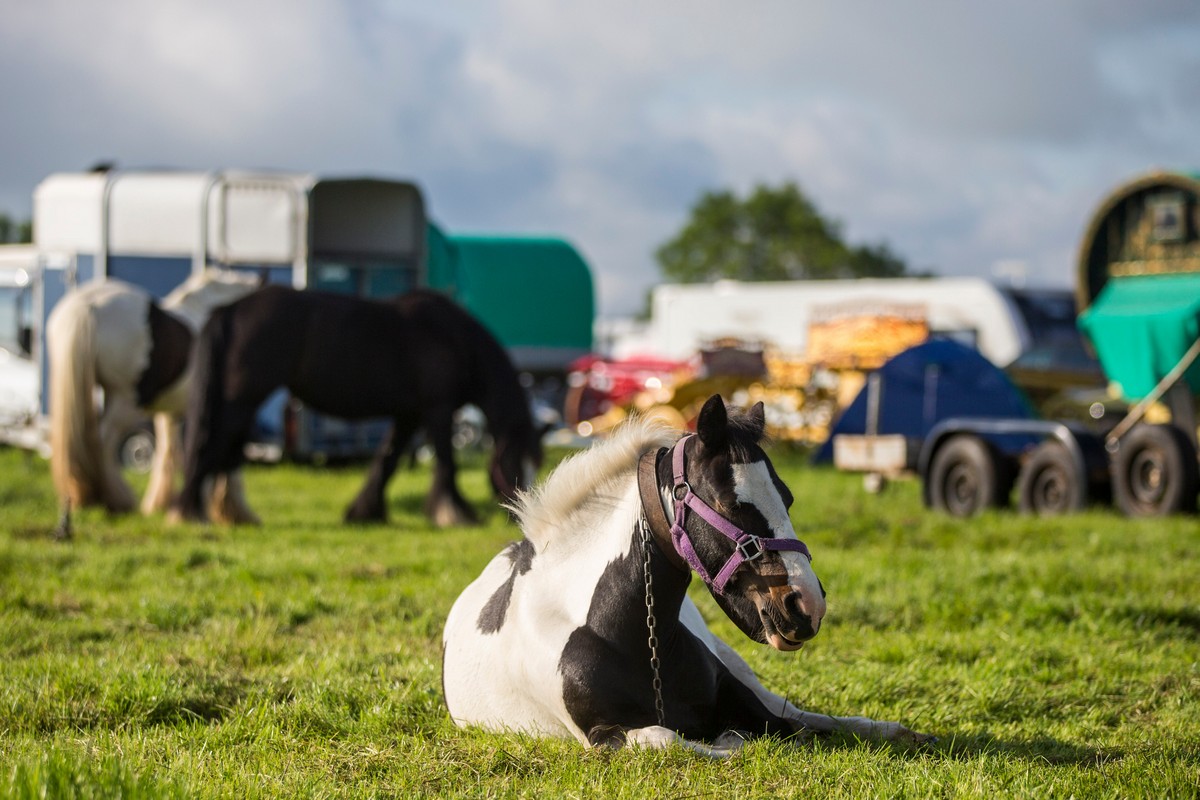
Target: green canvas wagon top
x=534 y=293
x=1139 y=281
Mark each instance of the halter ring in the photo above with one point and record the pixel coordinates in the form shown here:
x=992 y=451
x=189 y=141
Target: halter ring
x=748 y=554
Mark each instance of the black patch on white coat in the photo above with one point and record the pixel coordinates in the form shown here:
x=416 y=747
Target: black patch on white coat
x=170 y=349
x=605 y=665
x=491 y=616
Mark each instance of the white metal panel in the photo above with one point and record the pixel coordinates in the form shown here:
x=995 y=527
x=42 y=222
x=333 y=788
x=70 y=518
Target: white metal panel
x=67 y=212
x=779 y=313
x=257 y=219
x=155 y=213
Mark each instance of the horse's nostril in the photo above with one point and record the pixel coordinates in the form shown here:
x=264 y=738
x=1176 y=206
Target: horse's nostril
x=793 y=605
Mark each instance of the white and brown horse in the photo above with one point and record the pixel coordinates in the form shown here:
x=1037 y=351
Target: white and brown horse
x=584 y=628
x=113 y=336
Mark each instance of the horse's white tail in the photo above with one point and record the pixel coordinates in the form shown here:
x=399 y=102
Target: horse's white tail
x=80 y=468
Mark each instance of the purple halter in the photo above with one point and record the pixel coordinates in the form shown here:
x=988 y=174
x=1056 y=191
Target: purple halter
x=749 y=546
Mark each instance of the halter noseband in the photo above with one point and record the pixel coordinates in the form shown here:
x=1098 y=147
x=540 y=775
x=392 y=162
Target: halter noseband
x=748 y=546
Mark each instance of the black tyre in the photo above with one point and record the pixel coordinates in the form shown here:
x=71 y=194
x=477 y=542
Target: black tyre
x=1049 y=484
x=136 y=451
x=966 y=477
x=1155 y=472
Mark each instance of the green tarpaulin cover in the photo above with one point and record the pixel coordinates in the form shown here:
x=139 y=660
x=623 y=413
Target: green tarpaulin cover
x=1142 y=326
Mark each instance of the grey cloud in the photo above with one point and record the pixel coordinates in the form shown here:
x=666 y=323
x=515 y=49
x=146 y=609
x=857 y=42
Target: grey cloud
x=960 y=133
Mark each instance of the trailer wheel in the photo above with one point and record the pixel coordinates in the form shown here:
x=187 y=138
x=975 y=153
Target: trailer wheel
x=1155 y=472
x=1048 y=484
x=966 y=477
x=136 y=450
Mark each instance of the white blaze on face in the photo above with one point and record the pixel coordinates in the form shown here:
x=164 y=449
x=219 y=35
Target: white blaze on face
x=752 y=485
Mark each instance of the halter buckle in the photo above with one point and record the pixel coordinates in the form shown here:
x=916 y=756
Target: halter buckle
x=750 y=548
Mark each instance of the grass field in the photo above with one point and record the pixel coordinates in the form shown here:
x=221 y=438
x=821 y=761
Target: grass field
x=301 y=659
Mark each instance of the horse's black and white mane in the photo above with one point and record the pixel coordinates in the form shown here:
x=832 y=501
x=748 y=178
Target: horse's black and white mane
x=583 y=485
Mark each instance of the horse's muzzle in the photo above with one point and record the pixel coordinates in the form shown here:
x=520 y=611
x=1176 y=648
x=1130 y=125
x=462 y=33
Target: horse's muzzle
x=789 y=619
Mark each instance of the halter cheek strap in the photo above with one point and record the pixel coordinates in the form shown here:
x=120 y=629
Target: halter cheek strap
x=748 y=546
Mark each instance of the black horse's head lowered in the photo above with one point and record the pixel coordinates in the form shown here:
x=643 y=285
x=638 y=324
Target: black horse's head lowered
x=516 y=458
x=731 y=527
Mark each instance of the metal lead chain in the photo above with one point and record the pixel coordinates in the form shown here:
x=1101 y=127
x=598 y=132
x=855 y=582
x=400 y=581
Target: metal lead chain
x=651 y=622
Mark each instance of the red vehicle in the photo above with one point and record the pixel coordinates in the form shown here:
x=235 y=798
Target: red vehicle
x=596 y=385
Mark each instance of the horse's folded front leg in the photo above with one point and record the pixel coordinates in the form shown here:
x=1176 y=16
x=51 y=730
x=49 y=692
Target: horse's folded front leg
x=863 y=728
x=657 y=737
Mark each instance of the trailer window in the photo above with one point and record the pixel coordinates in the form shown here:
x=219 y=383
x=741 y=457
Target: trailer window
x=1167 y=219
x=364 y=278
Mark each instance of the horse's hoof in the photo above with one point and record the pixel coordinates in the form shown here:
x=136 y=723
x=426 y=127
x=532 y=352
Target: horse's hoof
x=447 y=516
x=177 y=516
x=358 y=516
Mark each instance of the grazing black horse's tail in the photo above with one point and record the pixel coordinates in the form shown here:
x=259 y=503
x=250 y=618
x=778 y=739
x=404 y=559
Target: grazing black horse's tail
x=203 y=420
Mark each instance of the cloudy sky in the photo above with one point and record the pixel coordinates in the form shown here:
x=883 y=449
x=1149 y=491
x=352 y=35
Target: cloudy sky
x=965 y=135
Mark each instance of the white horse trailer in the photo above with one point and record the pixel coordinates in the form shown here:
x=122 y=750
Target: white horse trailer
x=686 y=316
x=362 y=236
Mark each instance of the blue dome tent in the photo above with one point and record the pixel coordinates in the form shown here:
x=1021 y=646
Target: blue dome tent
x=928 y=383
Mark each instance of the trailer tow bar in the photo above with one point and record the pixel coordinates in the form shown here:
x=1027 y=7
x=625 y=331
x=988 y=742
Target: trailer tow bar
x=1112 y=442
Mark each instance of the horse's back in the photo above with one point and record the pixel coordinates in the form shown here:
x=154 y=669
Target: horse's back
x=507 y=632
x=118 y=316
x=347 y=355
x=488 y=664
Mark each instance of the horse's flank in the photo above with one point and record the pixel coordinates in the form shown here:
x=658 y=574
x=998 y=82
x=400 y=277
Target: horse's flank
x=577 y=488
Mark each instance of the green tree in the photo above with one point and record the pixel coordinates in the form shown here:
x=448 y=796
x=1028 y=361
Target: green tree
x=14 y=232
x=772 y=235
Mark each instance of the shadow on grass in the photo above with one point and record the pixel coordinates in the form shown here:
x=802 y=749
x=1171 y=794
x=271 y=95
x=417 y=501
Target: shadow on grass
x=951 y=747
x=1172 y=621
x=1041 y=749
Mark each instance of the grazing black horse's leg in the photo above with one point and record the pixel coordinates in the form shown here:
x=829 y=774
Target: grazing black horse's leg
x=369 y=505
x=221 y=450
x=444 y=505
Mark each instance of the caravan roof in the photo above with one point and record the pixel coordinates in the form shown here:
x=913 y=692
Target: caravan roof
x=971 y=310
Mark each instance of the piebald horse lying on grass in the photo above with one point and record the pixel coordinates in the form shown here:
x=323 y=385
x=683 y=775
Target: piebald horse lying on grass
x=584 y=627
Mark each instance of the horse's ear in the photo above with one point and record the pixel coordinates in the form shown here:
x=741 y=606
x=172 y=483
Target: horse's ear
x=757 y=416
x=712 y=426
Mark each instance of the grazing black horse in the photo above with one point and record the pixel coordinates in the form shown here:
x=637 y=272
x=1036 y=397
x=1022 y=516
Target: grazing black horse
x=416 y=358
